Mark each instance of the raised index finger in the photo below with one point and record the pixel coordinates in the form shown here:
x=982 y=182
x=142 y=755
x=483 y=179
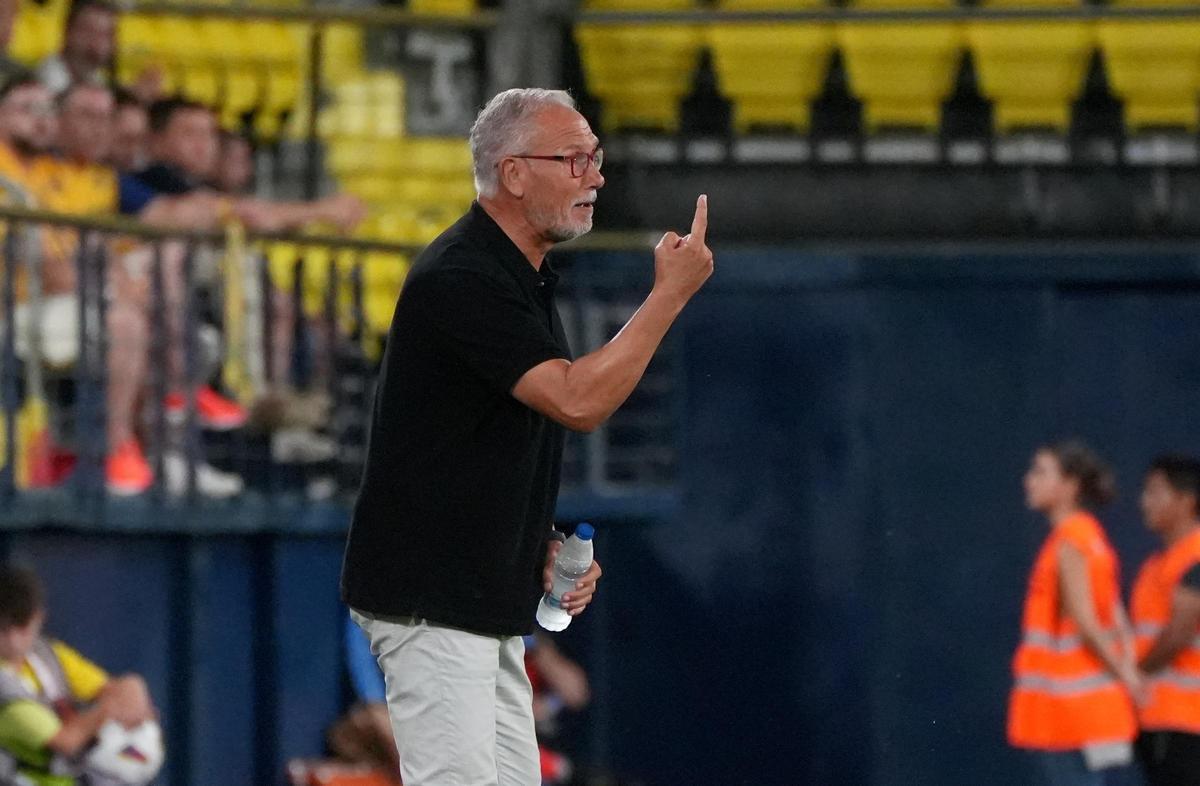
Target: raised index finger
x=700 y=222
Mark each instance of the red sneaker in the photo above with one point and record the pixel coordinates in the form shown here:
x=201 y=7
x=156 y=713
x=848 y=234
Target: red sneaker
x=212 y=409
x=126 y=470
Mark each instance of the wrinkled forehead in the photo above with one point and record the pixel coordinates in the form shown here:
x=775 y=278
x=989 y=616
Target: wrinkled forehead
x=559 y=129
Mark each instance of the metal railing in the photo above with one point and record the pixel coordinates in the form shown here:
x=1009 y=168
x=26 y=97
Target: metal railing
x=243 y=295
x=55 y=399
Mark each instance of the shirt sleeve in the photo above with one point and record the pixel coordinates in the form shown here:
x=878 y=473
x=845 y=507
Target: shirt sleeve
x=133 y=195
x=84 y=678
x=485 y=323
x=26 y=727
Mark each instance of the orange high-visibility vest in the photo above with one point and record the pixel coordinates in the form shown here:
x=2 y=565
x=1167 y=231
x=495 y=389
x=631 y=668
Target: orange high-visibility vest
x=1174 y=702
x=1063 y=697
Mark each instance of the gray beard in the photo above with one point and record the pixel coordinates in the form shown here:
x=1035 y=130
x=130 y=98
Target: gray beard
x=561 y=234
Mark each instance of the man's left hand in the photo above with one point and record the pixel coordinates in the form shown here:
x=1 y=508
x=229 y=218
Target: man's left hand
x=577 y=599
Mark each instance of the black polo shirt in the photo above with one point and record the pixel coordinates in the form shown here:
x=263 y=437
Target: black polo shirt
x=461 y=479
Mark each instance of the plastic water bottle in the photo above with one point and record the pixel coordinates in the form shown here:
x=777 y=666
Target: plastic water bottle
x=573 y=561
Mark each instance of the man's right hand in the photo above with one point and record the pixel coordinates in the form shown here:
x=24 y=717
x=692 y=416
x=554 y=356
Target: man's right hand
x=683 y=264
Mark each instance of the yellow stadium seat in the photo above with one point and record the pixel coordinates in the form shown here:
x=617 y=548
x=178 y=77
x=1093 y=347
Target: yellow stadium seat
x=770 y=72
x=242 y=91
x=283 y=55
x=37 y=33
x=368 y=106
x=1154 y=68
x=441 y=157
x=192 y=43
x=385 y=99
x=230 y=58
x=342 y=52
x=1032 y=71
x=145 y=42
x=640 y=72
x=378 y=308
x=901 y=72
x=281 y=264
x=348 y=156
x=383 y=277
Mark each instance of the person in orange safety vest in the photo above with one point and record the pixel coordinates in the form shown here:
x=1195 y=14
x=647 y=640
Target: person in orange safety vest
x=1074 y=672
x=1166 y=618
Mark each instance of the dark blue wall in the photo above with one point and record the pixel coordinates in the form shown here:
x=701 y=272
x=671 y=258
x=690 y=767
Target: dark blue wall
x=835 y=599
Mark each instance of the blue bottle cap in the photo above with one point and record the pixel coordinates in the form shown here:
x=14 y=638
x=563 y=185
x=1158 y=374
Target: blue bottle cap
x=585 y=531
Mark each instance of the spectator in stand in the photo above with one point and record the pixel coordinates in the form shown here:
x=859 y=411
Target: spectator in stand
x=28 y=129
x=85 y=135
x=89 y=42
x=131 y=127
x=234 y=174
x=89 y=36
x=184 y=152
x=89 y=186
x=53 y=701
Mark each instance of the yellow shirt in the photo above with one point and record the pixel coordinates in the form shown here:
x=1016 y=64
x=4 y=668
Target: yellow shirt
x=80 y=189
x=63 y=187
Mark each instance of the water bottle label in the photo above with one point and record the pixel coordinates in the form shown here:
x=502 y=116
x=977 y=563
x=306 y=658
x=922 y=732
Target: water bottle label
x=553 y=600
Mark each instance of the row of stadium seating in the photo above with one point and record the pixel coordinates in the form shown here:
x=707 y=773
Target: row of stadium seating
x=902 y=72
x=255 y=67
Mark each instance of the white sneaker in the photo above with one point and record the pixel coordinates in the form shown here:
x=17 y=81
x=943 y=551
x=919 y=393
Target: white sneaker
x=210 y=481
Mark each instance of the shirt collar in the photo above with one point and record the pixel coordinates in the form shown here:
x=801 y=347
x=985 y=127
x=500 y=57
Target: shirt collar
x=483 y=228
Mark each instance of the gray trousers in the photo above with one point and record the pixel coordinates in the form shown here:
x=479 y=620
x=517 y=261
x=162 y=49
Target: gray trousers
x=460 y=703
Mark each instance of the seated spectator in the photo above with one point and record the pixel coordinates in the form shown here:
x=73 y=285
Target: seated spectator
x=89 y=44
x=234 y=173
x=54 y=703
x=88 y=186
x=28 y=129
x=89 y=36
x=176 y=191
x=131 y=127
x=184 y=152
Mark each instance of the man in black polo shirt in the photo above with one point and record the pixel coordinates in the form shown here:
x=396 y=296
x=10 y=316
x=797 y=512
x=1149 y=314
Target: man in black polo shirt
x=448 y=549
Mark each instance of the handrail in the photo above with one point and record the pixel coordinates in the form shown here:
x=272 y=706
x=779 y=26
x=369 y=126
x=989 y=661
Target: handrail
x=127 y=226
x=857 y=15
x=595 y=241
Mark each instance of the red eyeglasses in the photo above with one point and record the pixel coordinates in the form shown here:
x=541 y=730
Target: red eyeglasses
x=579 y=162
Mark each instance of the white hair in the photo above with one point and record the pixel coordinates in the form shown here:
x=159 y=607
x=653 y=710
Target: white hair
x=503 y=128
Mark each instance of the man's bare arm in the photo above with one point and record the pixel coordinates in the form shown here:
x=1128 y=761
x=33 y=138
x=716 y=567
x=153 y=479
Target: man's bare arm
x=583 y=394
